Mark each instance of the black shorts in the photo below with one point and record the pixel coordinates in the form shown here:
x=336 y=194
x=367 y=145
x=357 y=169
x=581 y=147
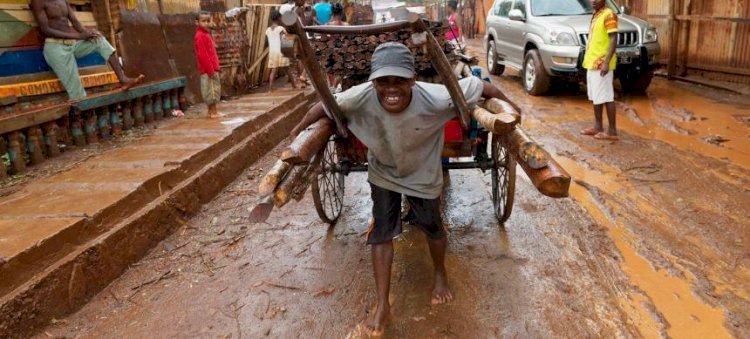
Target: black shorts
x=386 y=210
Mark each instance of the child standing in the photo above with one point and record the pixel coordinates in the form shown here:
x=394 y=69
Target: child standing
x=208 y=64
x=276 y=60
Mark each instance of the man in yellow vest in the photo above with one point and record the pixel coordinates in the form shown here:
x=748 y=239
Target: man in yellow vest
x=600 y=61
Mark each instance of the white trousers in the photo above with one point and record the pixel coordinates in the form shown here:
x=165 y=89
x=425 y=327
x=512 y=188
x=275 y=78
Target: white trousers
x=600 y=88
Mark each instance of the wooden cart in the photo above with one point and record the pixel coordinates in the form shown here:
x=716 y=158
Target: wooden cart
x=489 y=137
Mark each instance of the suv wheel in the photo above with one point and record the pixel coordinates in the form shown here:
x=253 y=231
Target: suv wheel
x=635 y=83
x=534 y=77
x=492 y=61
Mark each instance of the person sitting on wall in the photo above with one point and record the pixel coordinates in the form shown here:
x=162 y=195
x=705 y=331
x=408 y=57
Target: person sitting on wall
x=62 y=45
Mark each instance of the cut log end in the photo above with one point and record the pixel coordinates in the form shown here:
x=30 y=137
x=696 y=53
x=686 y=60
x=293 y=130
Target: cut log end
x=261 y=211
x=555 y=187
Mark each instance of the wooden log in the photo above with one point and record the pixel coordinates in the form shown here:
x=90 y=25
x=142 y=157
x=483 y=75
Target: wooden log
x=272 y=178
x=501 y=124
x=284 y=192
x=497 y=106
x=114 y=121
x=15 y=153
x=551 y=180
x=103 y=122
x=138 y=118
x=262 y=209
x=3 y=150
x=443 y=68
x=90 y=127
x=50 y=139
x=319 y=79
x=127 y=116
x=309 y=142
x=304 y=183
x=381 y=29
x=528 y=151
x=148 y=109
x=76 y=131
x=34 y=145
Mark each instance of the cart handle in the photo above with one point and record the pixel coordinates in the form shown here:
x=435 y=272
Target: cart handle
x=293 y=25
x=443 y=68
x=359 y=29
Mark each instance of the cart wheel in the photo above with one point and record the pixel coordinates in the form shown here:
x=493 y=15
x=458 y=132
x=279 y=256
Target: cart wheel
x=328 y=186
x=503 y=179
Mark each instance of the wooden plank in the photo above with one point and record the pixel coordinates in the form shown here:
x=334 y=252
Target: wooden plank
x=32 y=118
x=8 y=100
x=106 y=99
x=718 y=68
x=55 y=86
x=5 y=6
x=696 y=17
x=25 y=15
x=12 y=80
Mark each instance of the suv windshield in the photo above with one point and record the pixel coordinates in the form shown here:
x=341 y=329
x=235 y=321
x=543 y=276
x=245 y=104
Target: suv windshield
x=565 y=7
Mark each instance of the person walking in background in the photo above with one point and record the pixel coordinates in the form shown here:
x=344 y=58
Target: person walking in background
x=337 y=13
x=288 y=6
x=208 y=64
x=276 y=60
x=600 y=61
x=322 y=12
x=454 y=21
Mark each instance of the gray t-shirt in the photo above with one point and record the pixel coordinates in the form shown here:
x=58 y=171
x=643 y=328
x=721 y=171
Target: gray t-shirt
x=404 y=149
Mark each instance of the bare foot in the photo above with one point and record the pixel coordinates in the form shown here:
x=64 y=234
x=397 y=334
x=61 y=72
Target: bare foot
x=590 y=131
x=442 y=293
x=376 y=324
x=129 y=83
x=606 y=136
x=216 y=115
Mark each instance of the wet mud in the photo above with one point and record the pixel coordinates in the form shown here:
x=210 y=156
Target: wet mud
x=652 y=243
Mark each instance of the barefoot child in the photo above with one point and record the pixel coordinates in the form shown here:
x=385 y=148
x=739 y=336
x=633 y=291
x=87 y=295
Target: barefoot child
x=276 y=60
x=208 y=64
x=401 y=121
x=600 y=61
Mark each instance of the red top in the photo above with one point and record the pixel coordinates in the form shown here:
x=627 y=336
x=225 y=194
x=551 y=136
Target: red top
x=205 y=52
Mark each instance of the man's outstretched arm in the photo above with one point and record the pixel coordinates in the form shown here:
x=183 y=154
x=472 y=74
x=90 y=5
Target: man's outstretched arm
x=313 y=115
x=491 y=91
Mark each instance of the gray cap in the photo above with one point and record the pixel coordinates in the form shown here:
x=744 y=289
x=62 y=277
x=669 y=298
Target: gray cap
x=392 y=59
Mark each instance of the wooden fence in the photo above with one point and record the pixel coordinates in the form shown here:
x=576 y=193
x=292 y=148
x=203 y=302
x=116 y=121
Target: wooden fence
x=710 y=38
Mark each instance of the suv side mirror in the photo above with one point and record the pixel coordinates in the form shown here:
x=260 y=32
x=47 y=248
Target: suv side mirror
x=625 y=9
x=516 y=15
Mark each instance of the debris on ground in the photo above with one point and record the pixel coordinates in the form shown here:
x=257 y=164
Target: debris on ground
x=715 y=139
x=629 y=112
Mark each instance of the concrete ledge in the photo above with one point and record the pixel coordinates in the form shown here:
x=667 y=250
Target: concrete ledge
x=122 y=235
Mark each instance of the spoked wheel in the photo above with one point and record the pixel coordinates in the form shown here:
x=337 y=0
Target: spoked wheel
x=503 y=179
x=328 y=186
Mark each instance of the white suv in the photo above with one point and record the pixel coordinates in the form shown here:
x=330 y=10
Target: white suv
x=546 y=39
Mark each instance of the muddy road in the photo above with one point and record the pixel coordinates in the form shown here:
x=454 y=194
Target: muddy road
x=654 y=242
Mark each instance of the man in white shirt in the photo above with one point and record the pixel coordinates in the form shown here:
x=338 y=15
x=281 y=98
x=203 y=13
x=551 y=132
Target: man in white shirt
x=288 y=6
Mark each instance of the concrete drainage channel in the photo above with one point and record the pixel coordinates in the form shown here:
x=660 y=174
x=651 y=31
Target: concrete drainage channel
x=64 y=277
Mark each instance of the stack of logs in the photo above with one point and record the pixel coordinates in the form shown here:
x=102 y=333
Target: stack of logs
x=349 y=55
x=291 y=175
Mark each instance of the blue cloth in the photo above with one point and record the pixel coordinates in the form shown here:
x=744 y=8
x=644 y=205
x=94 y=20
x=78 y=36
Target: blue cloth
x=323 y=12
